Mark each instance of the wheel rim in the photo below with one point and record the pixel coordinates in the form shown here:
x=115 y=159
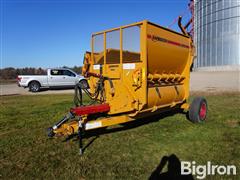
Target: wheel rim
x=34 y=87
x=203 y=111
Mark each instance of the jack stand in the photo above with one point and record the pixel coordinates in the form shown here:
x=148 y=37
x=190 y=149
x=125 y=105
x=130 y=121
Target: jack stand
x=80 y=133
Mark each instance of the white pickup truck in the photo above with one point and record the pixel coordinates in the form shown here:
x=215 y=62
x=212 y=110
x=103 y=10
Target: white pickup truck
x=55 y=78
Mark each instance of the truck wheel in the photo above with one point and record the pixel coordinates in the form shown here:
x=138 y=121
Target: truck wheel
x=198 y=110
x=34 y=86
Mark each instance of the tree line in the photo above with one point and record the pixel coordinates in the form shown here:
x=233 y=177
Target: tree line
x=12 y=73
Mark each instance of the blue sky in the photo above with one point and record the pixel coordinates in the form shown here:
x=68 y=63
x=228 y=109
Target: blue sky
x=48 y=33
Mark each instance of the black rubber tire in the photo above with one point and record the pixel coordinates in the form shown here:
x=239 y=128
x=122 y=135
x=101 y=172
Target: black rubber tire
x=34 y=86
x=197 y=113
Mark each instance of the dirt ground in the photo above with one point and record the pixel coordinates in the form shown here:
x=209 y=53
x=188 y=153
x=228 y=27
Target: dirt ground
x=13 y=89
x=215 y=81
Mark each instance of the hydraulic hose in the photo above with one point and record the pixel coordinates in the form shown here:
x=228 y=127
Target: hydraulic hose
x=99 y=90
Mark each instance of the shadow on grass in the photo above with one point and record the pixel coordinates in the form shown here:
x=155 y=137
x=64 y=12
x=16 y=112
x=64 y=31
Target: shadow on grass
x=123 y=127
x=173 y=170
x=128 y=125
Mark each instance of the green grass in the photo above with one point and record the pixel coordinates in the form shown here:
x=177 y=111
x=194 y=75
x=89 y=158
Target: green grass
x=129 y=153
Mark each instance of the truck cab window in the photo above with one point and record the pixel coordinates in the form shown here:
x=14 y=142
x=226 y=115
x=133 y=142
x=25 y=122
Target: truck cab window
x=68 y=73
x=55 y=72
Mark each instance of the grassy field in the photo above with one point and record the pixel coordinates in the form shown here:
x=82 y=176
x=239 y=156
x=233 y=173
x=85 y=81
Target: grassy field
x=130 y=151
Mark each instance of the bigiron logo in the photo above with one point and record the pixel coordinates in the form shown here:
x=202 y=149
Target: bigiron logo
x=201 y=171
x=160 y=39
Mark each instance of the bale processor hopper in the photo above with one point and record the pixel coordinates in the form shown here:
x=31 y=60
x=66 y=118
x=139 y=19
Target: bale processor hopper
x=132 y=72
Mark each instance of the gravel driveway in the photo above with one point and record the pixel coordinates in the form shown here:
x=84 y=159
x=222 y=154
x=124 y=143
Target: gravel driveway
x=13 y=89
x=228 y=81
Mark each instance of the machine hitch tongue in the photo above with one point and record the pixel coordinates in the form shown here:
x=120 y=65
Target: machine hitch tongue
x=59 y=123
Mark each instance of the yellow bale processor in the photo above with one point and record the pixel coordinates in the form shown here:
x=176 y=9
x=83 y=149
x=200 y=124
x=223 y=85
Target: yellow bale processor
x=132 y=72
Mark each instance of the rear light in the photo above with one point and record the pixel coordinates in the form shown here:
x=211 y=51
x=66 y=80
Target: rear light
x=19 y=79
